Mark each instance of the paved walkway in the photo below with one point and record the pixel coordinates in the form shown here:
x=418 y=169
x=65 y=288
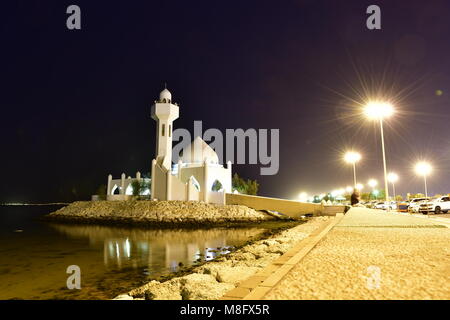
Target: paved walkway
x=370 y=254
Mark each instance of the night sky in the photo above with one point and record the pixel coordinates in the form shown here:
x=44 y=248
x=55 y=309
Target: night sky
x=76 y=104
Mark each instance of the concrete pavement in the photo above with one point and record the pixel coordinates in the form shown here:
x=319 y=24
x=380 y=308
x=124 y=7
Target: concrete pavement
x=371 y=254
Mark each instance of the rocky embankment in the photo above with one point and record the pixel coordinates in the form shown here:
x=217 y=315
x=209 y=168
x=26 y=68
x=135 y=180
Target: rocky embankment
x=213 y=279
x=145 y=212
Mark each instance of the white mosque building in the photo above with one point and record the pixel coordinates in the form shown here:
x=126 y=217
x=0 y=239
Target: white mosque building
x=198 y=175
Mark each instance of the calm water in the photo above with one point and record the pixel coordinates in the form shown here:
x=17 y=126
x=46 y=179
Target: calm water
x=34 y=255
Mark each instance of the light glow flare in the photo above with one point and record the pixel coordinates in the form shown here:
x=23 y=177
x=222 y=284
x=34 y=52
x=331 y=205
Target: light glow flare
x=392 y=177
x=372 y=183
x=378 y=110
x=303 y=196
x=423 y=168
x=352 y=157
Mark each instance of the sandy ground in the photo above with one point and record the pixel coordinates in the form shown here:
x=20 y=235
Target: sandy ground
x=371 y=254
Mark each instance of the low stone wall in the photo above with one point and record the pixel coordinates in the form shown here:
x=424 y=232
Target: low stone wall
x=144 y=212
x=291 y=208
x=332 y=210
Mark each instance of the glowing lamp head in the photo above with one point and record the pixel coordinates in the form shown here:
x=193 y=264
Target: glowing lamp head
x=359 y=186
x=392 y=177
x=377 y=110
x=352 y=157
x=423 y=168
x=303 y=196
x=372 y=183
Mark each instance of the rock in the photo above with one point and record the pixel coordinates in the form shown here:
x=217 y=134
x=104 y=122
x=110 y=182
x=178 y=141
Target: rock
x=202 y=287
x=179 y=212
x=155 y=290
x=235 y=275
x=123 y=297
x=243 y=256
x=213 y=279
x=169 y=290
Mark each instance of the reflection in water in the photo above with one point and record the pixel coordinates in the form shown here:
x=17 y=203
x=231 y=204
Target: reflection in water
x=112 y=260
x=158 y=249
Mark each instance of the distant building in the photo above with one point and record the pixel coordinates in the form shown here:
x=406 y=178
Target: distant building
x=197 y=176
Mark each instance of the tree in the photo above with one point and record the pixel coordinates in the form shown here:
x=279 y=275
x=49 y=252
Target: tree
x=252 y=187
x=366 y=196
x=416 y=195
x=139 y=187
x=249 y=187
x=101 y=192
x=216 y=186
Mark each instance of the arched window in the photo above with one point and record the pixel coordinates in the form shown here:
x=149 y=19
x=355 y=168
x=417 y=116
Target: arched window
x=195 y=183
x=115 y=189
x=216 y=186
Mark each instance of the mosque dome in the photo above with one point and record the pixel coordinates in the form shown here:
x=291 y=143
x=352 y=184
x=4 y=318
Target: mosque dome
x=198 y=152
x=165 y=96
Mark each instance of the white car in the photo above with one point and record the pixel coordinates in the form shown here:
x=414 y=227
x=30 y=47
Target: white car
x=438 y=206
x=414 y=204
x=392 y=205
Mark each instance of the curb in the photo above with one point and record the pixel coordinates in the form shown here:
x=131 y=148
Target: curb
x=258 y=285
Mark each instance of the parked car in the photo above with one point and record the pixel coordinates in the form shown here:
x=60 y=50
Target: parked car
x=438 y=205
x=402 y=206
x=371 y=204
x=414 y=204
x=384 y=205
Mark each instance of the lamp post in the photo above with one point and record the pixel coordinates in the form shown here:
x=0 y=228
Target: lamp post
x=393 y=178
x=377 y=110
x=352 y=158
x=423 y=168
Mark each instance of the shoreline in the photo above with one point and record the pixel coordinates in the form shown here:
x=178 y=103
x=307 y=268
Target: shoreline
x=35 y=204
x=166 y=225
x=160 y=214
x=213 y=279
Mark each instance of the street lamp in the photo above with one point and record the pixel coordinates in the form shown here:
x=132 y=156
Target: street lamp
x=377 y=110
x=393 y=178
x=359 y=186
x=424 y=169
x=372 y=183
x=303 y=197
x=352 y=157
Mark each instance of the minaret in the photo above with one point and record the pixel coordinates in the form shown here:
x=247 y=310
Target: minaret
x=164 y=112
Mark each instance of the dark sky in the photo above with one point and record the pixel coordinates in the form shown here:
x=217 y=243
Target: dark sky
x=76 y=104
